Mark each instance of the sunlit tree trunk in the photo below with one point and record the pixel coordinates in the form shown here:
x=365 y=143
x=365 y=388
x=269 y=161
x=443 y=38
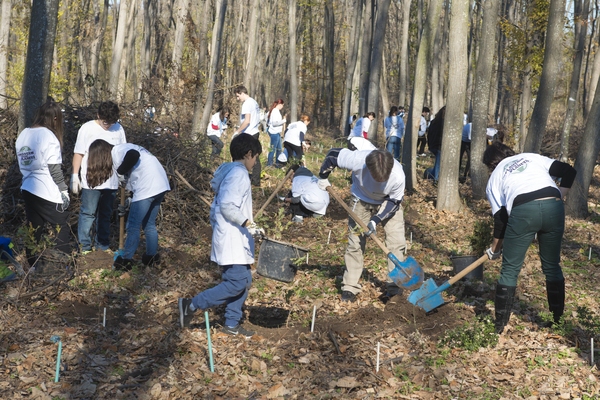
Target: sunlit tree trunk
x=365 y=57
x=252 y=47
x=328 y=64
x=117 y=51
x=38 y=65
x=4 y=35
x=352 y=50
x=403 y=74
x=99 y=29
x=293 y=64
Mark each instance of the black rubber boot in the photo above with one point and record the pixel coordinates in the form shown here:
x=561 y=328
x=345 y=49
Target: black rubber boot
x=556 y=298
x=505 y=297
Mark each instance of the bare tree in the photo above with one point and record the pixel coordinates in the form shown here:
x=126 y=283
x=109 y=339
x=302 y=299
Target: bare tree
x=252 y=47
x=549 y=78
x=4 y=36
x=40 y=49
x=293 y=64
x=117 y=51
x=352 y=50
x=328 y=61
x=365 y=57
x=403 y=74
x=448 y=197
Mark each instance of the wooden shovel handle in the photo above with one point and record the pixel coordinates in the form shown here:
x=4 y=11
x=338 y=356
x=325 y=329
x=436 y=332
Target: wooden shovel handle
x=465 y=271
x=122 y=222
x=357 y=220
x=279 y=186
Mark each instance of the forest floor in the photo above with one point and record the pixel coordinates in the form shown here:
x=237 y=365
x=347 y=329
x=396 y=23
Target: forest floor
x=120 y=334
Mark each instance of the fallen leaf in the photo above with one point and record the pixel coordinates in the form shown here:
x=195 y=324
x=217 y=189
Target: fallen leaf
x=346 y=382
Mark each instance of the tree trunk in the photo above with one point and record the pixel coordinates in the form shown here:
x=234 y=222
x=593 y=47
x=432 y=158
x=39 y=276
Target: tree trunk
x=100 y=22
x=409 y=149
x=117 y=51
x=481 y=96
x=581 y=16
x=448 y=196
x=293 y=65
x=252 y=47
x=375 y=66
x=403 y=74
x=352 y=47
x=365 y=58
x=329 y=62
x=38 y=64
x=4 y=36
x=577 y=199
x=178 y=40
x=549 y=78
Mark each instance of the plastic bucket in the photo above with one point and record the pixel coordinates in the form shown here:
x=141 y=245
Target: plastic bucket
x=276 y=259
x=461 y=262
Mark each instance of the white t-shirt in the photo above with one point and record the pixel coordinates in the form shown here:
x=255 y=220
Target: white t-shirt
x=295 y=133
x=394 y=126
x=216 y=126
x=423 y=126
x=36 y=149
x=147 y=178
x=231 y=243
x=361 y=143
x=250 y=106
x=364 y=186
x=88 y=133
x=275 y=122
x=519 y=174
x=362 y=125
x=311 y=197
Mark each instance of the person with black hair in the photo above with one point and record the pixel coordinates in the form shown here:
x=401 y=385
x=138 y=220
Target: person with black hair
x=362 y=126
x=232 y=238
x=434 y=141
x=249 y=121
x=394 y=131
x=96 y=203
x=526 y=201
x=305 y=198
x=423 y=128
x=214 y=130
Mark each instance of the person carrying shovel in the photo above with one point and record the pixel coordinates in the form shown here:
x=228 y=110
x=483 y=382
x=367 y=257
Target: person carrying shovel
x=526 y=201
x=377 y=192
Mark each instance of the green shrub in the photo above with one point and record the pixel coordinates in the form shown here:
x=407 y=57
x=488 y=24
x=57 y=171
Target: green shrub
x=472 y=336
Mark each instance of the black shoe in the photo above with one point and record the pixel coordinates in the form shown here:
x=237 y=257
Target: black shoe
x=185 y=314
x=237 y=330
x=348 y=296
x=151 y=260
x=123 y=264
x=556 y=298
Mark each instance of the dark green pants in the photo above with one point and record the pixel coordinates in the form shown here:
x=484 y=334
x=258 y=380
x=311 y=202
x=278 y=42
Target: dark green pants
x=547 y=219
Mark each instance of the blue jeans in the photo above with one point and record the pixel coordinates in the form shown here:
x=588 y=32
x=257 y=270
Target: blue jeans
x=96 y=205
x=275 y=148
x=394 y=146
x=436 y=166
x=142 y=215
x=233 y=291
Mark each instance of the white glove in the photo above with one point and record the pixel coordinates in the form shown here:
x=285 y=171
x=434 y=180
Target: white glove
x=323 y=184
x=372 y=228
x=255 y=230
x=75 y=184
x=491 y=255
x=65 y=199
x=122 y=180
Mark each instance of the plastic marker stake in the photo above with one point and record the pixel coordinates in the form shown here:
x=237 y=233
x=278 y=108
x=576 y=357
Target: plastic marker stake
x=411 y=238
x=306 y=258
x=56 y=339
x=590 y=255
x=592 y=351
x=328 y=237
x=312 y=325
x=377 y=364
x=104 y=319
x=210 y=353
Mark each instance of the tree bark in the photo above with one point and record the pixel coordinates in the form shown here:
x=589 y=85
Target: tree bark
x=252 y=47
x=329 y=62
x=100 y=23
x=117 y=51
x=409 y=149
x=403 y=73
x=38 y=64
x=481 y=96
x=4 y=36
x=549 y=78
x=448 y=196
x=365 y=57
x=352 y=47
x=293 y=64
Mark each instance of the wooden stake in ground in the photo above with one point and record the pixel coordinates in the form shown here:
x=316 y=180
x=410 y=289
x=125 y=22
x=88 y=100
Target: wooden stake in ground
x=277 y=189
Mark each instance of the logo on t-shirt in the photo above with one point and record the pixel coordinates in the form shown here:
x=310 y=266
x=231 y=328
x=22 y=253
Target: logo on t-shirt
x=26 y=155
x=516 y=166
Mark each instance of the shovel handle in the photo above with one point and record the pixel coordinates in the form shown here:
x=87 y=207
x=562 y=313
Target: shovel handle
x=122 y=222
x=357 y=220
x=279 y=186
x=465 y=271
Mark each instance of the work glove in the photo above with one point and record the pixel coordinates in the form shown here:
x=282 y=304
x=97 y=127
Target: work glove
x=491 y=255
x=372 y=228
x=122 y=209
x=75 y=184
x=323 y=184
x=255 y=231
x=122 y=180
x=65 y=199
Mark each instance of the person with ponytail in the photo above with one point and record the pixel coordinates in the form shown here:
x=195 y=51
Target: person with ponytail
x=274 y=127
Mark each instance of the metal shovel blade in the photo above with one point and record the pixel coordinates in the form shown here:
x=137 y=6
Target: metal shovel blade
x=429 y=296
x=407 y=274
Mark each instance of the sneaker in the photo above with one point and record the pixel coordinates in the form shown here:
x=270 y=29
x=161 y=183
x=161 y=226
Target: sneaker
x=298 y=219
x=237 y=330
x=185 y=314
x=348 y=297
x=151 y=260
x=123 y=264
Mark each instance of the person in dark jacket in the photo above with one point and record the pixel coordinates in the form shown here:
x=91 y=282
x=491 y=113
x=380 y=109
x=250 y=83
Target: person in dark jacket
x=434 y=141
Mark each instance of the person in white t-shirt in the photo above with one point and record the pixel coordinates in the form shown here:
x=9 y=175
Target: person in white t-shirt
x=249 y=120
x=361 y=128
x=305 y=198
x=394 y=131
x=377 y=192
x=146 y=178
x=294 y=137
x=526 y=203
x=214 y=130
x=275 y=127
x=43 y=186
x=423 y=128
x=96 y=202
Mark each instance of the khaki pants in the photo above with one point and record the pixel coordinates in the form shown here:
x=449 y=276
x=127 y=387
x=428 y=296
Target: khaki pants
x=394 y=240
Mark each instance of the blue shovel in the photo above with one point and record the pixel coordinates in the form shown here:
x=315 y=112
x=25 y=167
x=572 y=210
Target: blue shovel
x=407 y=274
x=429 y=295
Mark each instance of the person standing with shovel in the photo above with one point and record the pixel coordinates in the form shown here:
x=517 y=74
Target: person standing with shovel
x=377 y=192
x=526 y=201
